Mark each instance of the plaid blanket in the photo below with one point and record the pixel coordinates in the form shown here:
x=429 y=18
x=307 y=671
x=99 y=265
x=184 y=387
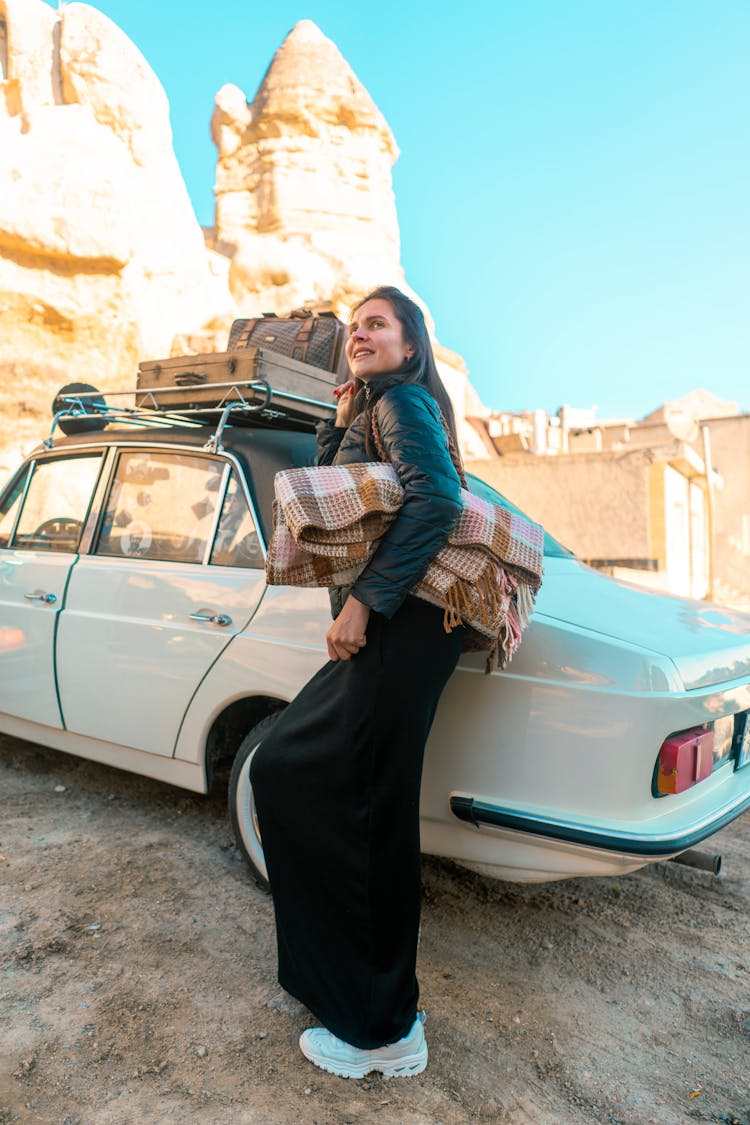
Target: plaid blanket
x=328 y=521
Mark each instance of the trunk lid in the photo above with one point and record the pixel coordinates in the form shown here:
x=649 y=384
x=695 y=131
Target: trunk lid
x=709 y=644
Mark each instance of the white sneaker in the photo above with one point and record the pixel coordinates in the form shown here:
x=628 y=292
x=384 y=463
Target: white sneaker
x=395 y=1060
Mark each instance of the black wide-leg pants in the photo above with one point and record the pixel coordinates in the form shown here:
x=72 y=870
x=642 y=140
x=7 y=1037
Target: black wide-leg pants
x=336 y=785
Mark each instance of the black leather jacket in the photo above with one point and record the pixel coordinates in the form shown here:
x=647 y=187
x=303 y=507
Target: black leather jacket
x=414 y=438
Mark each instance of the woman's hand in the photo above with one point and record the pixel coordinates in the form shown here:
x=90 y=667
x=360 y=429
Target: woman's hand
x=347 y=633
x=344 y=394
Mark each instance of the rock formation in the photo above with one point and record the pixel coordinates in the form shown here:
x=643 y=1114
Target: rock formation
x=305 y=208
x=102 y=260
x=304 y=201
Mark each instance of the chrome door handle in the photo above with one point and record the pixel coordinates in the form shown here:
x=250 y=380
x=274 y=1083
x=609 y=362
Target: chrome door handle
x=48 y=599
x=214 y=618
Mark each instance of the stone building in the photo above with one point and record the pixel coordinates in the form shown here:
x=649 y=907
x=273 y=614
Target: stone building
x=729 y=438
x=663 y=501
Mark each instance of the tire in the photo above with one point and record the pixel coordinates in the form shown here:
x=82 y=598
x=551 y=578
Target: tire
x=242 y=805
x=82 y=425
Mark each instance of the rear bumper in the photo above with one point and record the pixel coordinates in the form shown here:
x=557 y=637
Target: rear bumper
x=478 y=812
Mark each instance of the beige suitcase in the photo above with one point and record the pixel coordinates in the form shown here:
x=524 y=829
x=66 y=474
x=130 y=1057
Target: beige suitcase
x=210 y=382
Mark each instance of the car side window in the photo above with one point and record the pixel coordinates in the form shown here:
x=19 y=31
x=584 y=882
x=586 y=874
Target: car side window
x=161 y=506
x=10 y=506
x=56 y=504
x=237 y=542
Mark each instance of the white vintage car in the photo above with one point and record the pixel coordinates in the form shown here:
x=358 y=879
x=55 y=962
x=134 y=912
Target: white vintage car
x=136 y=629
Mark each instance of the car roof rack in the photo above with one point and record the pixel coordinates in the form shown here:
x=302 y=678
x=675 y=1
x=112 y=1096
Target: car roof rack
x=242 y=399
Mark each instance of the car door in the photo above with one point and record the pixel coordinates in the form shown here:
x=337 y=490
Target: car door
x=175 y=572
x=41 y=518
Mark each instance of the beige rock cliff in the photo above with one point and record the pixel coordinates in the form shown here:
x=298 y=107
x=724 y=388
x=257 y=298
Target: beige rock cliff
x=102 y=260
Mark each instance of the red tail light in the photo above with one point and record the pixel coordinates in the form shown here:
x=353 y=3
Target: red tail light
x=685 y=759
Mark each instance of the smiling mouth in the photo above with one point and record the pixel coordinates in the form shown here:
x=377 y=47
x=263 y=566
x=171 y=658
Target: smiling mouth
x=361 y=353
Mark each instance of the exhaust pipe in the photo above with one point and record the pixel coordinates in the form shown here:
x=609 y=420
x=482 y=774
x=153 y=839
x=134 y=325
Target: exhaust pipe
x=704 y=861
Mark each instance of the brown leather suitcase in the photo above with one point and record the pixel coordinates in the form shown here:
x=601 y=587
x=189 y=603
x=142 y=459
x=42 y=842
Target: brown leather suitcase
x=314 y=337
x=296 y=390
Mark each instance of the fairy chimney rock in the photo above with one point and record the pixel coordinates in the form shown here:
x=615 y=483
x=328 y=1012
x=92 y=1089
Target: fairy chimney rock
x=305 y=207
x=308 y=166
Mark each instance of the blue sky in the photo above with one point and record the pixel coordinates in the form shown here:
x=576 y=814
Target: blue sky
x=574 y=182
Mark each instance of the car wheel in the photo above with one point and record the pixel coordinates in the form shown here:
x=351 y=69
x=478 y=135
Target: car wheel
x=82 y=424
x=242 y=810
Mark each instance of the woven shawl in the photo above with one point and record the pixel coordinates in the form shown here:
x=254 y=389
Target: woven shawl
x=329 y=519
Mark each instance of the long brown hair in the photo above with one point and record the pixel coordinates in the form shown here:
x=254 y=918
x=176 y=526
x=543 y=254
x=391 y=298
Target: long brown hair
x=420 y=367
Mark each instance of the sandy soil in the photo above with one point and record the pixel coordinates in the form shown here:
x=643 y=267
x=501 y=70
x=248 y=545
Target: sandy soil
x=138 y=978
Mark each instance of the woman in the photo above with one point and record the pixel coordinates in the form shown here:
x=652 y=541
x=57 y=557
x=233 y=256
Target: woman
x=336 y=782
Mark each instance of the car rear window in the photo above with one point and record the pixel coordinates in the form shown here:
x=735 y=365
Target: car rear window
x=552 y=548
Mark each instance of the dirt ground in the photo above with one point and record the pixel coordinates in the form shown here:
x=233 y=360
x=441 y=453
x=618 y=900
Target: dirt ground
x=138 y=978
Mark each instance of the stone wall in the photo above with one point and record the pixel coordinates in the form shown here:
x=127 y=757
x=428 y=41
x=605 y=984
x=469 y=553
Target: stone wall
x=730 y=457
x=597 y=506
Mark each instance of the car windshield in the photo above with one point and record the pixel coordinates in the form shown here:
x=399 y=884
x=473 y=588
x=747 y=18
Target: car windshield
x=552 y=548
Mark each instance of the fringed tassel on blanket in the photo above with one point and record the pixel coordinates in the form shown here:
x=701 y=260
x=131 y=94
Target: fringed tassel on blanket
x=525 y=598
x=495 y=594
x=507 y=640
x=458 y=604
x=481 y=600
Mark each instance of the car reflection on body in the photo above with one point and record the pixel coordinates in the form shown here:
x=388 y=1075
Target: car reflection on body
x=136 y=629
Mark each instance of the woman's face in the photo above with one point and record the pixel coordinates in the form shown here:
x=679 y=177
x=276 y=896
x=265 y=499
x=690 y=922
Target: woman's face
x=376 y=343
